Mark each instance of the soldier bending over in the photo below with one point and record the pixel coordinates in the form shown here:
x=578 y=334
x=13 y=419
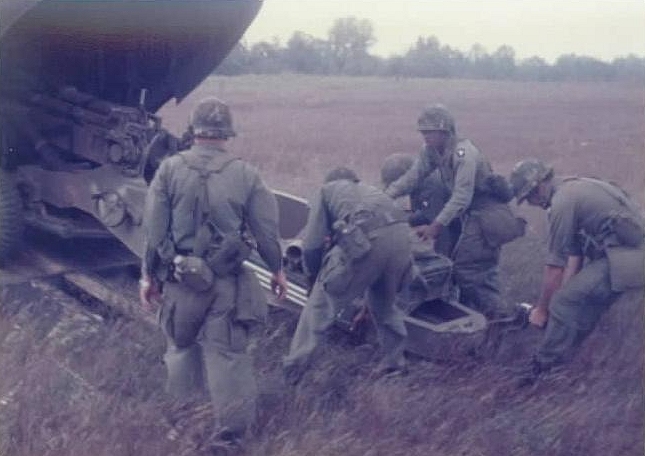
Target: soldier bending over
x=370 y=252
x=587 y=218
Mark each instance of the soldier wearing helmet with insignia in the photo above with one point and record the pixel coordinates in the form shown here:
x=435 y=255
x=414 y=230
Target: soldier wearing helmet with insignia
x=205 y=210
x=590 y=220
x=476 y=200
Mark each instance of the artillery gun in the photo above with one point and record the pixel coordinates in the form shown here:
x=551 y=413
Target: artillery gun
x=80 y=82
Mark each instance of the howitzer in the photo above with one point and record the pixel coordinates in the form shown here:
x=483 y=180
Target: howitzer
x=79 y=86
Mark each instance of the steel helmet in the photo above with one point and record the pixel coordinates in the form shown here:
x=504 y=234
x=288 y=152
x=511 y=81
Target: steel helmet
x=212 y=119
x=526 y=176
x=394 y=167
x=341 y=173
x=437 y=117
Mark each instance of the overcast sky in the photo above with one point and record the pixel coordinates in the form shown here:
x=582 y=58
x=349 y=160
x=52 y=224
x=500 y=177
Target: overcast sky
x=603 y=29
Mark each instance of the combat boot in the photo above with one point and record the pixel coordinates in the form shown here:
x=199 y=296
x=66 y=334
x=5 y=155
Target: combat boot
x=530 y=374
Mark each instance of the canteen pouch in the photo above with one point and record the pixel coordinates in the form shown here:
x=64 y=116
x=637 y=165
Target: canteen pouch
x=193 y=272
x=352 y=240
x=499 y=225
x=228 y=255
x=336 y=272
x=626 y=268
x=628 y=231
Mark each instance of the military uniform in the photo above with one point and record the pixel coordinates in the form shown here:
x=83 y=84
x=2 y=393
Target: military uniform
x=581 y=223
x=207 y=331
x=465 y=172
x=378 y=269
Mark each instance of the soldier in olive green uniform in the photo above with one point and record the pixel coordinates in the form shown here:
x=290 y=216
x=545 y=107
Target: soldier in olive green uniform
x=486 y=221
x=588 y=218
x=426 y=199
x=370 y=252
x=207 y=328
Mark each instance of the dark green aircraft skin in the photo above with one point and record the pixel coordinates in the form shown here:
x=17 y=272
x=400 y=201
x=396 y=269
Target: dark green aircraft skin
x=112 y=49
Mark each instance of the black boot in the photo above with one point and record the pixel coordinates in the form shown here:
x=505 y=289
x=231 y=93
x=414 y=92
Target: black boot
x=530 y=374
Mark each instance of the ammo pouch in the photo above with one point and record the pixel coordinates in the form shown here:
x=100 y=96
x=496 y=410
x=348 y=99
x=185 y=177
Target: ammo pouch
x=498 y=224
x=627 y=230
x=227 y=255
x=351 y=239
x=193 y=272
x=336 y=272
x=626 y=268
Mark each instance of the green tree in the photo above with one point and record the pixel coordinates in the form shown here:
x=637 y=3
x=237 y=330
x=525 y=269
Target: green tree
x=349 y=39
x=306 y=54
x=266 y=57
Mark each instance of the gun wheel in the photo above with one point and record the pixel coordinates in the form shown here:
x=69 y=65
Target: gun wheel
x=11 y=216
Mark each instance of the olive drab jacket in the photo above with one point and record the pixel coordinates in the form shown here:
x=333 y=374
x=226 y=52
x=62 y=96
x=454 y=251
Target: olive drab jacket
x=340 y=200
x=236 y=195
x=582 y=222
x=464 y=171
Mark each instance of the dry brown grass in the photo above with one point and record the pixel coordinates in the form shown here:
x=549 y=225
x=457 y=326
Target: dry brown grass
x=294 y=128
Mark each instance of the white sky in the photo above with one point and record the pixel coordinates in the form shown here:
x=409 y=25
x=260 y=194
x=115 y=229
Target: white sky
x=603 y=29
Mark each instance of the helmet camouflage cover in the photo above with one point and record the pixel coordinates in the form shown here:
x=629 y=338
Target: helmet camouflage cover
x=212 y=119
x=526 y=176
x=436 y=117
x=394 y=167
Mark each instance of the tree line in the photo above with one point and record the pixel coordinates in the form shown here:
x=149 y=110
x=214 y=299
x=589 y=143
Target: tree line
x=346 y=52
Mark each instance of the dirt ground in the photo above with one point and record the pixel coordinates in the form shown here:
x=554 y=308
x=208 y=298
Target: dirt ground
x=80 y=385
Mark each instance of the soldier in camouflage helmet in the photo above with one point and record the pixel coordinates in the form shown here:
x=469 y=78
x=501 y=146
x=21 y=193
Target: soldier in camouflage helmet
x=207 y=327
x=370 y=254
x=483 y=216
x=212 y=119
x=588 y=218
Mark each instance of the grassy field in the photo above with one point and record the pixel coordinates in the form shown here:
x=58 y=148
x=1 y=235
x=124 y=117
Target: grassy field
x=294 y=128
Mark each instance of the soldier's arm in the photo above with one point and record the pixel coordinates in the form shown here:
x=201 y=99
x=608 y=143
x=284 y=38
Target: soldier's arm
x=551 y=282
x=316 y=230
x=462 y=193
x=559 y=259
x=262 y=218
x=408 y=181
x=574 y=265
x=156 y=218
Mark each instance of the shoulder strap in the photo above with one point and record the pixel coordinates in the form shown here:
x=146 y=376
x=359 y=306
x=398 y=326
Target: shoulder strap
x=616 y=192
x=205 y=227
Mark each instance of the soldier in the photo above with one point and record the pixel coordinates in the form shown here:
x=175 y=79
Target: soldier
x=477 y=199
x=200 y=204
x=587 y=218
x=370 y=252
x=426 y=199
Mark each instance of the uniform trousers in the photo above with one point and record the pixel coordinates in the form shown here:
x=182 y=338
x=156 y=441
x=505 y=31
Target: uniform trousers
x=380 y=274
x=574 y=311
x=475 y=268
x=207 y=350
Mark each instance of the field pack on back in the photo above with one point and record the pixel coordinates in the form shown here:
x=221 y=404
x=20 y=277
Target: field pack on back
x=215 y=252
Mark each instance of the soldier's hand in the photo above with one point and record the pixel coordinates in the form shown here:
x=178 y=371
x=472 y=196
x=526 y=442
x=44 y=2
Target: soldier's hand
x=149 y=294
x=538 y=316
x=279 y=285
x=426 y=232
